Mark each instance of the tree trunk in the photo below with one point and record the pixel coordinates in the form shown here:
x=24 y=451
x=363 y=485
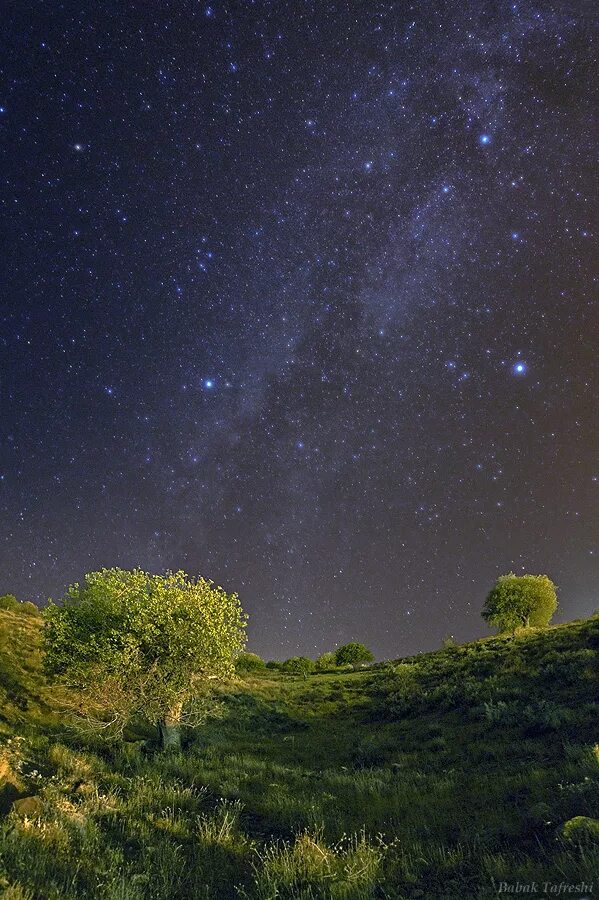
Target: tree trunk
x=170 y=728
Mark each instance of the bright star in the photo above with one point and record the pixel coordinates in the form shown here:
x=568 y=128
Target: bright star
x=208 y=383
x=519 y=368
x=484 y=139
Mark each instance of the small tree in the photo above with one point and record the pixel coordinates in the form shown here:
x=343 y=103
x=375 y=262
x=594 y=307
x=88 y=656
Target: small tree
x=9 y=601
x=520 y=601
x=353 y=654
x=326 y=661
x=249 y=662
x=299 y=665
x=27 y=608
x=133 y=645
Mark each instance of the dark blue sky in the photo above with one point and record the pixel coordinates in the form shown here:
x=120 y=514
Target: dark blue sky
x=302 y=297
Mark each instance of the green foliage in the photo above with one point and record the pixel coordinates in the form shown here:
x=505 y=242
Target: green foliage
x=249 y=662
x=353 y=654
x=307 y=868
x=134 y=645
x=9 y=601
x=27 y=608
x=400 y=689
x=519 y=601
x=542 y=715
x=326 y=661
x=581 y=829
x=310 y=789
x=298 y=665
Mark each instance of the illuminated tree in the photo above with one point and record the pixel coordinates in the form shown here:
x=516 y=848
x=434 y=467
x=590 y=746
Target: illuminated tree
x=520 y=601
x=131 y=645
x=353 y=654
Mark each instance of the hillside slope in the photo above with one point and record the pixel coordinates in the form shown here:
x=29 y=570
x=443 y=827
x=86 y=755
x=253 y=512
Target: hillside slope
x=454 y=771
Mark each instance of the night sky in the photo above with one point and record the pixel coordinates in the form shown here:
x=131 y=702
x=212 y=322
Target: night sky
x=302 y=297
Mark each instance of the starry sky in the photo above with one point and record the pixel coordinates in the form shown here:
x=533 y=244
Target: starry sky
x=302 y=297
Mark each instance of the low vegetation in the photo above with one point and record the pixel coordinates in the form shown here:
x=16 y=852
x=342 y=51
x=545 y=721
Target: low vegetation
x=438 y=776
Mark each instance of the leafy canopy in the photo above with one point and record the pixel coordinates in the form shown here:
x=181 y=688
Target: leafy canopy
x=249 y=662
x=326 y=660
x=518 y=601
x=140 y=645
x=352 y=654
x=9 y=601
x=298 y=665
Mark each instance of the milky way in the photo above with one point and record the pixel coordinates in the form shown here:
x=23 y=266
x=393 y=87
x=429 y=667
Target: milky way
x=303 y=297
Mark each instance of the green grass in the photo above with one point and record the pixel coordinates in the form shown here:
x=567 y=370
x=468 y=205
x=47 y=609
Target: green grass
x=439 y=776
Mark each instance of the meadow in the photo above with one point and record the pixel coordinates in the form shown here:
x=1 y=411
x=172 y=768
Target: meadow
x=444 y=775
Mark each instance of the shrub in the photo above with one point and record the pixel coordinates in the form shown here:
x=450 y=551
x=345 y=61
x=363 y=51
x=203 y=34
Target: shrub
x=27 y=608
x=353 y=654
x=401 y=693
x=566 y=668
x=368 y=753
x=326 y=661
x=9 y=601
x=249 y=662
x=581 y=829
x=542 y=715
x=298 y=665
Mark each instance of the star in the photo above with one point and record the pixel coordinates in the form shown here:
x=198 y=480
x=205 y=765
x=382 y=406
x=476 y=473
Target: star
x=368 y=230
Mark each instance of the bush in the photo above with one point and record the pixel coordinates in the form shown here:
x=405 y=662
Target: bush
x=9 y=601
x=249 y=662
x=326 y=661
x=368 y=753
x=27 y=608
x=353 y=654
x=566 y=668
x=542 y=715
x=298 y=665
x=581 y=829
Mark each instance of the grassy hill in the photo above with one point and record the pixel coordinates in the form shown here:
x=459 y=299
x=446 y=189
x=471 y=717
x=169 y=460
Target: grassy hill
x=439 y=776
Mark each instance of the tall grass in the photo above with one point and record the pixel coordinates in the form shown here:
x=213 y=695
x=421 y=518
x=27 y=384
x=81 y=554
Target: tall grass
x=334 y=787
